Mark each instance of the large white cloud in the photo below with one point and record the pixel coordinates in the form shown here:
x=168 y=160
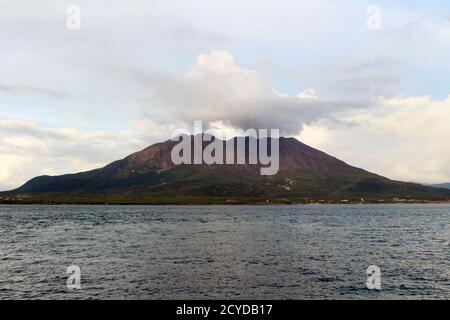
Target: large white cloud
x=402 y=138
x=217 y=89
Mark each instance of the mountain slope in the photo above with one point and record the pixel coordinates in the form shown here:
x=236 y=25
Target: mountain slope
x=442 y=185
x=149 y=176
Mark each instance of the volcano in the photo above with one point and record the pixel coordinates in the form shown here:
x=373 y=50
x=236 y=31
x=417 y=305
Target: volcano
x=305 y=175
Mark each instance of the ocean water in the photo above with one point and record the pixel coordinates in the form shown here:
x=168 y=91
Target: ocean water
x=225 y=252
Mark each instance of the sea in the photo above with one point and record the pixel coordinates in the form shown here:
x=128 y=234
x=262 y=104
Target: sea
x=225 y=252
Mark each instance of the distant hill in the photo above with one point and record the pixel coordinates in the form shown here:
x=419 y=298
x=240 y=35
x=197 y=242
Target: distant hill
x=150 y=177
x=442 y=185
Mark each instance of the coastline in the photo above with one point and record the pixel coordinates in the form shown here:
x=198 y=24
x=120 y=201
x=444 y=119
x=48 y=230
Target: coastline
x=208 y=202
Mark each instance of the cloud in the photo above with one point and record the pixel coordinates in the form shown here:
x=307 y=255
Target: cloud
x=373 y=64
x=307 y=94
x=402 y=138
x=412 y=31
x=363 y=80
x=31 y=90
x=27 y=150
x=366 y=87
x=217 y=89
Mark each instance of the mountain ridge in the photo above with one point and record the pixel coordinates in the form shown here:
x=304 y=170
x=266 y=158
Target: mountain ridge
x=441 y=185
x=150 y=177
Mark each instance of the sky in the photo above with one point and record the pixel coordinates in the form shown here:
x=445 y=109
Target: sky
x=365 y=81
